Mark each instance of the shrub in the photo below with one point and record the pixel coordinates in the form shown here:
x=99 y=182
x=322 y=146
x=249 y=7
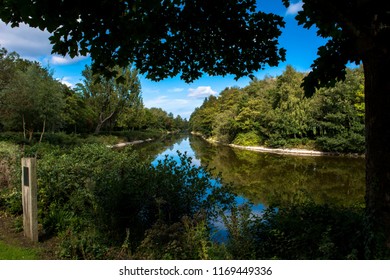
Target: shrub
x=346 y=143
x=187 y=239
x=13 y=137
x=240 y=240
x=248 y=139
x=10 y=176
x=116 y=197
x=309 y=231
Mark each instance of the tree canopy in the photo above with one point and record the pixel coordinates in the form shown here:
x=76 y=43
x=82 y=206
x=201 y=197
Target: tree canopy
x=356 y=30
x=31 y=100
x=274 y=112
x=160 y=38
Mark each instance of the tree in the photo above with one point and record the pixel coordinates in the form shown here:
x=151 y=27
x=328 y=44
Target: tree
x=31 y=99
x=7 y=67
x=339 y=117
x=359 y=32
x=202 y=119
x=159 y=119
x=133 y=117
x=77 y=116
x=109 y=97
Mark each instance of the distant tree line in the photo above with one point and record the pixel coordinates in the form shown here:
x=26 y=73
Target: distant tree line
x=275 y=112
x=32 y=100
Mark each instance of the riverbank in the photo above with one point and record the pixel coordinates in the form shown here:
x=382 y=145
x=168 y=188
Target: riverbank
x=280 y=151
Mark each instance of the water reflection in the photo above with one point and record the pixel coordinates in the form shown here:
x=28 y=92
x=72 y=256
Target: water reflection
x=264 y=179
x=269 y=178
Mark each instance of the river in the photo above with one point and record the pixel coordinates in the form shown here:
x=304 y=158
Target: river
x=266 y=179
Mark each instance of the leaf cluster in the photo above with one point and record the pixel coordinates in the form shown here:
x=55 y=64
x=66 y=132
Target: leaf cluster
x=160 y=38
x=357 y=31
x=93 y=197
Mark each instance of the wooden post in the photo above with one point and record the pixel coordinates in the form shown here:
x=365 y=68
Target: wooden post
x=29 y=198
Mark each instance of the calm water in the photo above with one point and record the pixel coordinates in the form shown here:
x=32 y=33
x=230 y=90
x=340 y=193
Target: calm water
x=265 y=178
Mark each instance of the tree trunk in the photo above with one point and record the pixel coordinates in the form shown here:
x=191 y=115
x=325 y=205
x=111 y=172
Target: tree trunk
x=24 y=128
x=377 y=99
x=102 y=120
x=98 y=127
x=43 y=130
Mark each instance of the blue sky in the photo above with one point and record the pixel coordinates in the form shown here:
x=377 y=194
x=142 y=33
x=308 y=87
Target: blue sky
x=172 y=95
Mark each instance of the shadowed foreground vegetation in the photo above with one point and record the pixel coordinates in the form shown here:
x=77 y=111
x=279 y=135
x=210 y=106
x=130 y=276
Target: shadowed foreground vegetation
x=106 y=204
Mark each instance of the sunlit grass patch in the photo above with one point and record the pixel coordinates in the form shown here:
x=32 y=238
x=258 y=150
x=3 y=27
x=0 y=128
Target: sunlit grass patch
x=10 y=252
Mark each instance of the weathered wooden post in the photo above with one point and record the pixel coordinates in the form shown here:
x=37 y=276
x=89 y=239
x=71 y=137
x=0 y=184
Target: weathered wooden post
x=29 y=198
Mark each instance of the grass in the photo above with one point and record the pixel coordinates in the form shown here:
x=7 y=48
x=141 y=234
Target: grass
x=9 y=252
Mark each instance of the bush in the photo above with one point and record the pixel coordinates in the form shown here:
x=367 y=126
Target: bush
x=344 y=143
x=10 y=176
x=187 y=239
x=248 y=139
x=13 y=137
x=240 y=240
x=309 y=231
x=116 y=197
x=61 y=139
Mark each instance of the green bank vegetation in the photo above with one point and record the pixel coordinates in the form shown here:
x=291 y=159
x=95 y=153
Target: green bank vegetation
x=101 y=203
x=33 y=102
x=104 y=204
x=275 y=112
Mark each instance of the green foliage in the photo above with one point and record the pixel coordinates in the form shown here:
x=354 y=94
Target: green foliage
x=248 y=139
x=10 y=200
x=275 y=112
x=10 y=174
x=187 y=239
x=133 y=135
x=108 y=97
x=32 y=100
x=309 y=231
x=202 y=118
x=348 y=25
x=185 y=189
x=240 y=236
x=13 y=137
x=164 y=39
x=94 y=198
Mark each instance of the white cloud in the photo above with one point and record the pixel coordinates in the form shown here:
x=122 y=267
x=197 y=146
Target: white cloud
x=26 y=41
x=176 y=90
x=149 y=90
x=155 y=102
x=201 y=92
x=294 y=8
x=177 y=106
x=32 y=43
x=165 y=102
x=65 y=60
x=66 y=81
